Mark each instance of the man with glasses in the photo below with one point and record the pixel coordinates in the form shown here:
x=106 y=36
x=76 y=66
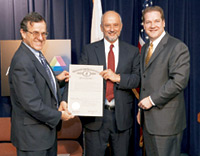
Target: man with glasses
x=34 y=93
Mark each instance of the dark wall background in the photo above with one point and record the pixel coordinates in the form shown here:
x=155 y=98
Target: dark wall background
x=71 y=19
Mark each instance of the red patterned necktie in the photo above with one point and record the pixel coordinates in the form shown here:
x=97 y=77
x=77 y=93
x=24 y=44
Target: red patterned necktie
x=110 y=84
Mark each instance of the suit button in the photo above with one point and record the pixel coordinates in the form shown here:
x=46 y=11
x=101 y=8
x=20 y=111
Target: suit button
x=143 y=89
x=144 y=75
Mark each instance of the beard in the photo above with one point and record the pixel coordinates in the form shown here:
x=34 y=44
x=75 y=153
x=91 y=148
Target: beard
x=112 y=39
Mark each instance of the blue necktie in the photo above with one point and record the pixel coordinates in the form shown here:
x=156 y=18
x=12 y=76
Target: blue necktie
x=45 y=65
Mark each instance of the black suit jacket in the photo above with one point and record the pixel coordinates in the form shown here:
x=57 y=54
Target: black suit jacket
x=34 y=113
x=128 y=68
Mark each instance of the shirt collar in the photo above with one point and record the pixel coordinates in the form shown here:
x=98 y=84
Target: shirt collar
x=35 y=52
x=107 y=44
x=156 y=42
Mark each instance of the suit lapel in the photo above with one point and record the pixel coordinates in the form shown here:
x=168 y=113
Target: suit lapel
x=122 y=56
x=157 y=51
x=100 y=53
x=101 y=58
x=39 y=67
x=143 y=54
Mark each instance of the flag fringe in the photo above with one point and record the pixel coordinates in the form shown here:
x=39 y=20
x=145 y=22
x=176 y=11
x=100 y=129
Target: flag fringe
x=136 y=93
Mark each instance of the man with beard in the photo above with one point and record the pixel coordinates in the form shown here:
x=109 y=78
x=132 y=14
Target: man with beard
x=121 y=74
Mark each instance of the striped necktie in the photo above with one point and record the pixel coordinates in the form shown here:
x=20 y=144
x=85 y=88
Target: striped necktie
x=149 y=54
x=46 y=67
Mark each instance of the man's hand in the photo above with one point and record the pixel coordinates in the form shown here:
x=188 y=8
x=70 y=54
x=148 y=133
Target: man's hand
x=138 y=117
x=145 y=103
x=63 y=76
x=109 y=74
x=66 y=115
x=63 y=106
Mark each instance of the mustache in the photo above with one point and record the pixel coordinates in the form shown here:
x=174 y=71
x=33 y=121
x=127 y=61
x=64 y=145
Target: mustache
x=111 y=39
x=112 y=32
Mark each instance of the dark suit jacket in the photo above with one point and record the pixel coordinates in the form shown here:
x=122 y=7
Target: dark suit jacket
x=34 y=112
x=164 y=79
x=128 y=68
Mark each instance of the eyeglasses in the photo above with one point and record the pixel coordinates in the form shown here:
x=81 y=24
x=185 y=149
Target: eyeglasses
x=37 y=34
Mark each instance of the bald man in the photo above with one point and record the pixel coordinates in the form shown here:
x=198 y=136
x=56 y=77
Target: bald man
x=121 y=74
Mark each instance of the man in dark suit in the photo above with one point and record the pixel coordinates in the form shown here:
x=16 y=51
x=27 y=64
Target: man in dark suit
x=165 y=67
x=34 y=93
x=121 y=74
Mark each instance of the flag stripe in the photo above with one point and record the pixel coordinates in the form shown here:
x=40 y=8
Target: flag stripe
x=142 y=39
x=96 y=33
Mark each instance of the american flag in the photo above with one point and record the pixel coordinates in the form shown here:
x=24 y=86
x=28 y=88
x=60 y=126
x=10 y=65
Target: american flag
x=96 y=33
x=142 y=35
x=142 y=38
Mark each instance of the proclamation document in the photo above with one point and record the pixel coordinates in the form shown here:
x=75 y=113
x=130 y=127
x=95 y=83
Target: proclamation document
x=85 y=90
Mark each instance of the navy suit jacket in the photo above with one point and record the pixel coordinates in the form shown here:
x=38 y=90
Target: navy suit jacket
x=128 y=68
x=34 y=113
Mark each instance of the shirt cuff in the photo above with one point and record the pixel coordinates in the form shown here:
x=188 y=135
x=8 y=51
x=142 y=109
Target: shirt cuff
x=151 y=101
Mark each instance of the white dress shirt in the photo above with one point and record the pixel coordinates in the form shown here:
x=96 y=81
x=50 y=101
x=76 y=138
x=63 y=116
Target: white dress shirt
x=116 y=54
x=155 y=44
x=36 y=53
